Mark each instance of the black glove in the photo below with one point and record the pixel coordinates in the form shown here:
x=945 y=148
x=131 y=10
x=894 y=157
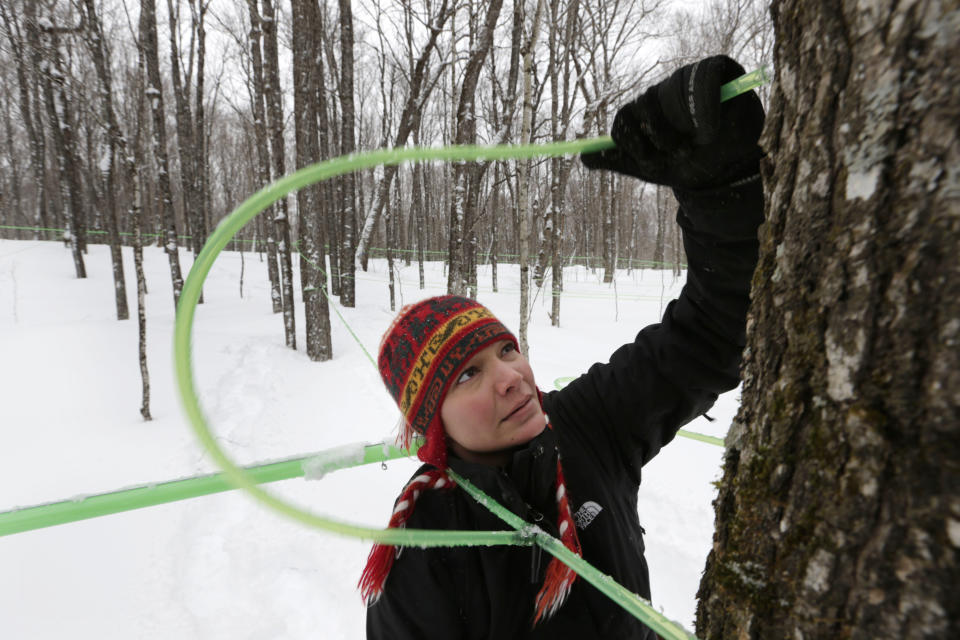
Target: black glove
x=679 y=134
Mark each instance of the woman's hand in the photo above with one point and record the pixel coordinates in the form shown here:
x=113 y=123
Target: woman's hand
x=679 y=134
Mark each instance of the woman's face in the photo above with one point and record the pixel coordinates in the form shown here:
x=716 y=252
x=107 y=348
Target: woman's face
x=492 y=405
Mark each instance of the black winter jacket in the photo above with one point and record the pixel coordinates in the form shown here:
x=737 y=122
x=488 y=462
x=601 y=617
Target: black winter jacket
x=606 y=425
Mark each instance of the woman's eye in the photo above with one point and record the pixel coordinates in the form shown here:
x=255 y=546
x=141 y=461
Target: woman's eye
x=507 y=348
x=468 y=373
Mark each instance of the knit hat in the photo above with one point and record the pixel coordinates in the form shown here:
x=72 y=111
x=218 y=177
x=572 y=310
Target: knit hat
x=420 y=355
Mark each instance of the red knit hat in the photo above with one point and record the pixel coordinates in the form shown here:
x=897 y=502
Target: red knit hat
x=420 y=355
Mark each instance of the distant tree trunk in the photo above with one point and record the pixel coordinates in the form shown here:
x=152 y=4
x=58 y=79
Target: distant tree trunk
x=391 y=239
x=494 y=224
x=466 y=133
x=609 y=221
x=60 y=122
x=329 y=144
x=524 y=177
x=132 y=164
x=116 y=145
x=263 y=152
x=198 y=10
x=347 y=204
x=658 y=252
x=154 y=92
x=417 y=211
x=310 y=206
x=186 y=134
x=273 y=97
x=838 y=513
x=561 y=109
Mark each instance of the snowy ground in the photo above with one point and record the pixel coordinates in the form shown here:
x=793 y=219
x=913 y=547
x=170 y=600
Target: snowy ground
x=223 y=566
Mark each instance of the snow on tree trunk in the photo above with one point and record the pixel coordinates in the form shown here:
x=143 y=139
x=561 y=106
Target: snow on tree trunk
x=347 y=203
x=523 y=187
x=59 y=120
x=838 y=514
x=158 y=143
x=116 y=146
x=272 y=95
x=466 y=133
x=263 y=151
x=310 y=208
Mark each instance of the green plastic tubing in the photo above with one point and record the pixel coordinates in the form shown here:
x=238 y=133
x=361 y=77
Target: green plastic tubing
x=148 y=495
x=230 y=225
x=640 y=608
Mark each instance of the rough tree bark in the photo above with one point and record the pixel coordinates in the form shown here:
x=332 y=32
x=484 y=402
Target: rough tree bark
x=272 y=94
x=116 y=148
x=60 y=122
x=310 y=208
x=560 y=116
x=838 y=514
x=347 y=203
x=523 y=177
x=263 y=151
x=158 y=143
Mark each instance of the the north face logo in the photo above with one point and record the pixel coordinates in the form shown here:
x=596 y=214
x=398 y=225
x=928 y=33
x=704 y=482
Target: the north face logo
x=586 y=513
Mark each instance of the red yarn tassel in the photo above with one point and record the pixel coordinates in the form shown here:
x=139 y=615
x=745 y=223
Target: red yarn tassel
x=381 y=557
x=375 y=573
x=560 y=578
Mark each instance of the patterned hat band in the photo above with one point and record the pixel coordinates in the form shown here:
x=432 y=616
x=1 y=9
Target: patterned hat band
x=425 y=347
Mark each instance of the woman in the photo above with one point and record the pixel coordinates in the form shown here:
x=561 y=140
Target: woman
x=570 y=461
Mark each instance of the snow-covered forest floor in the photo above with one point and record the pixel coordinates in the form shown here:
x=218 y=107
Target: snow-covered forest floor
x=222 y=566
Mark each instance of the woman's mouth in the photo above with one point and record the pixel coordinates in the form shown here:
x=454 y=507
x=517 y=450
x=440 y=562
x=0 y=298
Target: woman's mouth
x=520 y=407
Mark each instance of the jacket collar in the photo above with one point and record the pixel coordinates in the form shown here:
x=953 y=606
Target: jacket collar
x=526 y=483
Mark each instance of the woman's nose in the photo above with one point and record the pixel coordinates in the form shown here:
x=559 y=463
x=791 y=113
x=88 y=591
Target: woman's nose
x=507 y=378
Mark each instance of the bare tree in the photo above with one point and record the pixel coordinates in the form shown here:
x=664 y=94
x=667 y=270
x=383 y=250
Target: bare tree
x=837 y=515
x=562 y=41
x=158 y=142
x=263 y=149
x=272 y=95
x=465 y=176
x=523 y=180
x=133 y=176
x=347 y=145
x=310 y=206
x=45 y=41
x=116 y=148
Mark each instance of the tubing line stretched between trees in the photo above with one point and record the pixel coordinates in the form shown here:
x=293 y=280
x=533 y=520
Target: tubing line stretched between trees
x=57 y=513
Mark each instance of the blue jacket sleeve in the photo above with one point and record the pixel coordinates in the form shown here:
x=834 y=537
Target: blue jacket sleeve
x=627 y=409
